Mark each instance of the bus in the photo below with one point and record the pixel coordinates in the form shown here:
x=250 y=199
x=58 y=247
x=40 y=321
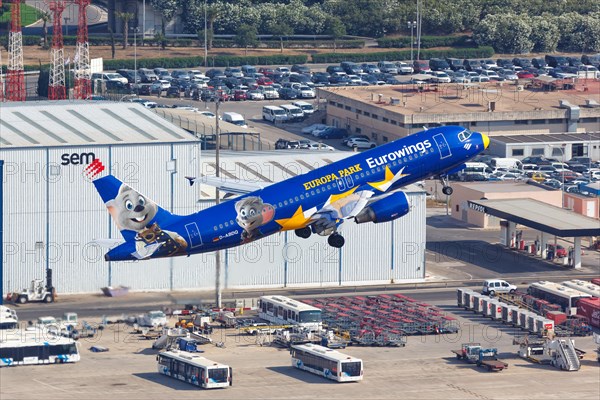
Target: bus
x=326 y=362
x=36 y=346
x=194 y=369
x=557 y=293
x=281 y=310
x=583 y=286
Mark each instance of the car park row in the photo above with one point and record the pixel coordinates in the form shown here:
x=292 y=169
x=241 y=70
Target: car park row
x=299 y=81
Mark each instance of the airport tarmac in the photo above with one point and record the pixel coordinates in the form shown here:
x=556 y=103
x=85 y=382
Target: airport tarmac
x=424 y=369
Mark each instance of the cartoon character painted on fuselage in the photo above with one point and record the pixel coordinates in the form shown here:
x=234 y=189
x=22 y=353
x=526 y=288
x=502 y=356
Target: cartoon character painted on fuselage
x=133 y=212
x=252 y=213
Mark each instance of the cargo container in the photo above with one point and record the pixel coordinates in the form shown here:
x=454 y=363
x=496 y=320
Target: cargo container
x=558 y=317
x=590 y=309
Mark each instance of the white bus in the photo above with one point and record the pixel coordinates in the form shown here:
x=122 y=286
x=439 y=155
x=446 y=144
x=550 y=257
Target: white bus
x=36 y=346
x=194 y=369
x=583 y=286
x=557 y=293
x=281 y=310
x=326 y=362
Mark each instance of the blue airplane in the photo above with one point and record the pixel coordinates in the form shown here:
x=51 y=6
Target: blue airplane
x=365 y=187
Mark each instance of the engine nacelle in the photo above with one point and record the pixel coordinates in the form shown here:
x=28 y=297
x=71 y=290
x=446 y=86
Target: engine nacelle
x=388 y=209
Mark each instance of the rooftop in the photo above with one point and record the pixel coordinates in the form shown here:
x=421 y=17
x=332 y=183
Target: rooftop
x=502 y=187
x=538 y=215
x=468 y=98
x=545 y=138
x=73 y=123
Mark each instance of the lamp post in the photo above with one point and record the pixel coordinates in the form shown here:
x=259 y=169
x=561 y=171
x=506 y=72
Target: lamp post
x=205 y=38
x=67 y=19
x=412 y=25
x=562 y=173
x=135 y=31
x=217 y=201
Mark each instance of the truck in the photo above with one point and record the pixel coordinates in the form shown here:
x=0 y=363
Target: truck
x=487 y=358
x=226 y=319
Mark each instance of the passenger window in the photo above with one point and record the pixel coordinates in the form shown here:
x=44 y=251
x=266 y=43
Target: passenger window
x=302 y=196
x=285 y=202
x=296 y=198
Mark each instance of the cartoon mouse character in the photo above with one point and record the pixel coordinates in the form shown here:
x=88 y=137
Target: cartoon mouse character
x=132 y=211
x=252 y=213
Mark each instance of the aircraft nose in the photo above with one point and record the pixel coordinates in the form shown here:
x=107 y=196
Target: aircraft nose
x=486 y=140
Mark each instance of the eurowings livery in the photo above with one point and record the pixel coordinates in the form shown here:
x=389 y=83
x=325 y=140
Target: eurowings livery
x=365 y=187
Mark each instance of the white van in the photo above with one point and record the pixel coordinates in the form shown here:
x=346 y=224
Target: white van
x=475 y=168
x=293 y=113
x=235 y=118
x=307 y=108
x=506 y=163
x=493 y=286
x=273 y=113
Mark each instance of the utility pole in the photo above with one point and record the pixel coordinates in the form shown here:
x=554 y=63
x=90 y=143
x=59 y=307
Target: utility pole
x=218 y=200
x=419 y=25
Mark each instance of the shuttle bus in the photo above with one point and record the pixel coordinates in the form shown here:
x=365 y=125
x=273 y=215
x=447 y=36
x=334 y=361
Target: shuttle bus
x=194 y=369
x=281 y=310
x=36 y=346
x=326 y=362
x=557 y=293
x=583 y=286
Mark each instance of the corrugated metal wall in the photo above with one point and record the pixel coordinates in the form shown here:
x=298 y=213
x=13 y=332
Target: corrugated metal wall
x=374 y=253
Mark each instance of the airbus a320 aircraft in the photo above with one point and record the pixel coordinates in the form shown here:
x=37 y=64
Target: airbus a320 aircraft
x=365 y=187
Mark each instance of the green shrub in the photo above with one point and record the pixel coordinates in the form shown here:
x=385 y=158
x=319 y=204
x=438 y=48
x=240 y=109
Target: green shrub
x=479 y=52
x=216 y=61
x=294 y=44
x=428 y=42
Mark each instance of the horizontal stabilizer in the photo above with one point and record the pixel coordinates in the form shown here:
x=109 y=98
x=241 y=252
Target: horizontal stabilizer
x=229 y=185
x=108 y=243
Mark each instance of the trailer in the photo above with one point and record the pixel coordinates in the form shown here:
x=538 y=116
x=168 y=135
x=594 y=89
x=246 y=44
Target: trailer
x=475 y=354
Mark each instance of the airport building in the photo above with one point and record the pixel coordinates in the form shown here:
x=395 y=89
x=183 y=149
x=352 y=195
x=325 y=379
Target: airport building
x=53 y=216
x=386 y=113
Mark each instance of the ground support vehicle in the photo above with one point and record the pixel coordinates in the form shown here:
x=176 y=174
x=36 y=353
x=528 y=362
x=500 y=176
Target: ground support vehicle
x=487 y=358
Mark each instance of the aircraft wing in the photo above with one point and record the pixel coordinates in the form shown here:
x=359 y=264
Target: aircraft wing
x=228 y=185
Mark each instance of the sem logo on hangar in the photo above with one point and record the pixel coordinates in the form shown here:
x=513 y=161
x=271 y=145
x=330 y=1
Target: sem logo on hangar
x=94 y=165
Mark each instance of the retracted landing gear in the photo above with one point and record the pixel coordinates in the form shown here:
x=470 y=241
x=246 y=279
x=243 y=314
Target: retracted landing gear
x=336 y=240
x=446 y=189
x=303 y=233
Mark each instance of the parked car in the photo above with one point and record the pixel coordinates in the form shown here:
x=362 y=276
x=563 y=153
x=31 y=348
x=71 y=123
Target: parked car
x=440 y=77
x=437 y=64
x=333 y=133
x=153 y=319
x=494 y=286
x=301 y=69
x=404 y=68
x=318 y=147
x=387 y=67
x=360 y=143
x=525 y=74
x=255 y=95
x=350 y=67
x=558 y=250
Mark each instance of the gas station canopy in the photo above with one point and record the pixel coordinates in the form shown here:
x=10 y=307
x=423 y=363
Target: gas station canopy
x=541 y=216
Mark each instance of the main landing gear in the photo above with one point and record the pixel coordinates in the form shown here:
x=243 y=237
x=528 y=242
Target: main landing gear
x=303 y=233
x=446 y=189
x=335 y=239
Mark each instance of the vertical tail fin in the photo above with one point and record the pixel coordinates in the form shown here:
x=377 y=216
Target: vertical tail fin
x=131 y=211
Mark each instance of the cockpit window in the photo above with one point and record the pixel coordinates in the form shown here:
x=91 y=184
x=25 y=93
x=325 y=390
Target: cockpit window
x=464 y=135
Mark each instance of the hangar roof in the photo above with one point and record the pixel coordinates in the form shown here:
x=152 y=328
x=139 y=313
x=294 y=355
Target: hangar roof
x=269 y=166
x=504 y=187
x=541 y=216
x=68 y=123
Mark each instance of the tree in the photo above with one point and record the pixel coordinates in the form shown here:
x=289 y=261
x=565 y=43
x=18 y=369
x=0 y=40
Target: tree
x=280 y=30
x=125 y=17
x=247 y=35
x=167 y=10
x=335 y=28
x=507 y=33
x=544 y=34
x=45 y=17
x=112 y=43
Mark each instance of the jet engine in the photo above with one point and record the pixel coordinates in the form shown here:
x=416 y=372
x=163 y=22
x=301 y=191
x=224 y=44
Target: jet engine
x=387 y=209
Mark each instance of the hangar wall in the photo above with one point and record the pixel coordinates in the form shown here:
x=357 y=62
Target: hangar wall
x=53 y=215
